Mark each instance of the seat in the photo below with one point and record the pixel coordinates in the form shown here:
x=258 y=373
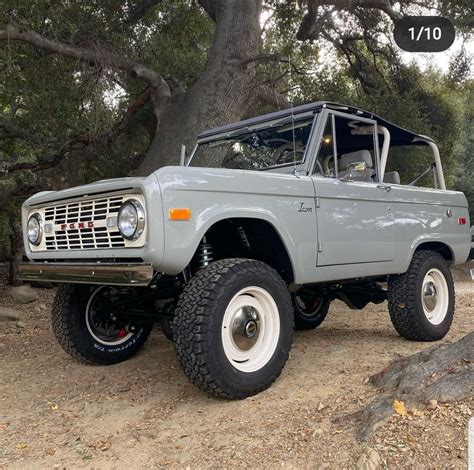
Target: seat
x=354 y=157
x=391 y=177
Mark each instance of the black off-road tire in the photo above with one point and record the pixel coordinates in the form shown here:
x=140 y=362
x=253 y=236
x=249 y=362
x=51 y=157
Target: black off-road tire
x=70 y=329
x=166 y=321
x=405 y=299
x=198 y=327
x=305 y=321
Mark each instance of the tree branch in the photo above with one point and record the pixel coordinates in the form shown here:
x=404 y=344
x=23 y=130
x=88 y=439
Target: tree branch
x=138 y=11
x=209 y=7
x=85 y=139
x=92 y=56
x=354 y=59
x=313 y=21
x=269 y=95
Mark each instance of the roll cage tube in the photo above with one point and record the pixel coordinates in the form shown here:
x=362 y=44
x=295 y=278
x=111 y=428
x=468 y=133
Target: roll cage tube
x=439 y=167
x=434 y=148
x=385 y=146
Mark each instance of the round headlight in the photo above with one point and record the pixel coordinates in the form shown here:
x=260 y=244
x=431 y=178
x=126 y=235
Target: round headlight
x=35 y=229
x=131 y=219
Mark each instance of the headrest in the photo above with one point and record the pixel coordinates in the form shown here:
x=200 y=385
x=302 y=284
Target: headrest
x=391 y=177
x=352 y=157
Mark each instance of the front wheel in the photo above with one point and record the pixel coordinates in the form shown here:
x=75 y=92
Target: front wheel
x=233 y=327
x=88 y=328
x=421 y=301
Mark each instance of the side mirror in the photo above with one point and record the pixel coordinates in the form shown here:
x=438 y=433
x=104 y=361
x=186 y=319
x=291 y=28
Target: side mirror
x=357 y=170
x=183 y=161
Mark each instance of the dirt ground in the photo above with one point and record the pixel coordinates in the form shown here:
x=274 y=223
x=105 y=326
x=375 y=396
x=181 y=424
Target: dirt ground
x=58 y=413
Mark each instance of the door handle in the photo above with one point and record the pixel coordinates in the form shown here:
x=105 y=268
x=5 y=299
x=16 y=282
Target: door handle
x=384 y=187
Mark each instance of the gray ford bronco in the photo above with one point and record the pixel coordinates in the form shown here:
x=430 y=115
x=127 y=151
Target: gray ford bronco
x=267 y=222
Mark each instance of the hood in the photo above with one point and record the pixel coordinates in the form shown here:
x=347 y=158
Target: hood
x=97 y=187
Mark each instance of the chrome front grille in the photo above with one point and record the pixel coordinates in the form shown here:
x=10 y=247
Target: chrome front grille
x=83 y=211
x=86 y=224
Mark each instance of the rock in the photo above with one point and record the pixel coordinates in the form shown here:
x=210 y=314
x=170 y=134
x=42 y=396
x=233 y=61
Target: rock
x=369 y=460
x=23 y=294
x=20 y=324
x=7 y=314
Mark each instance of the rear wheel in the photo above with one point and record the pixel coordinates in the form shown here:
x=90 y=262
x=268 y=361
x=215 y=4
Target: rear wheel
x=310 y=309
x=233 y=327
x=421 y=301
x=89 y=329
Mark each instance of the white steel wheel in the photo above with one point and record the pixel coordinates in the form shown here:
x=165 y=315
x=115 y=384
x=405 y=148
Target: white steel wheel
x=250 y=329
x=435 y=296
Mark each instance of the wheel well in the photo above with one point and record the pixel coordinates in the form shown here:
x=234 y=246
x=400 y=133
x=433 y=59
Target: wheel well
x=248 y=238
x=439 y=247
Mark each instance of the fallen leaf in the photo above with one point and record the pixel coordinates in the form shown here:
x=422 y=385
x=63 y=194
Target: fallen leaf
x=399 y=407
x=21 y=446
x=432 y=405
x=103 y=445
x=54 y=407
x=3 y=426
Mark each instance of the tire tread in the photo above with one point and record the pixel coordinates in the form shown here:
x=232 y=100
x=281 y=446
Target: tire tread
x=69 y=337
x=402 y=299
x=194 y=319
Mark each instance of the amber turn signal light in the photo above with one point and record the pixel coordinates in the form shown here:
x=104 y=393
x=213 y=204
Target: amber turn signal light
x=179 y=214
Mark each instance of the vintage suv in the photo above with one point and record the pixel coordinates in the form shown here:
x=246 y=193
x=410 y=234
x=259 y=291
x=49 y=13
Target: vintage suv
x=267 y=222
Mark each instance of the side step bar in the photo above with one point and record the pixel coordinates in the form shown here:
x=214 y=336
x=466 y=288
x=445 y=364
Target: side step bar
x=137 y=274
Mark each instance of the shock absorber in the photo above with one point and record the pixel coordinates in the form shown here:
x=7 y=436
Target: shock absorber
x=243 y=238
x=205 y=253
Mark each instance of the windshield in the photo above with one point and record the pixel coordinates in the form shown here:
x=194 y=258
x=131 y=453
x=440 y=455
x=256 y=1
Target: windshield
x=283 y=143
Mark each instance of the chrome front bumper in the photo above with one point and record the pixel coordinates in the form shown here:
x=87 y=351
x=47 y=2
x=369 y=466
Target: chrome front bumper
x=137 y=274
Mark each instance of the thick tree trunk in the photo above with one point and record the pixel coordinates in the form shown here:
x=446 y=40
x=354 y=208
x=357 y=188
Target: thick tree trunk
x=222 y=92
x=441 y=373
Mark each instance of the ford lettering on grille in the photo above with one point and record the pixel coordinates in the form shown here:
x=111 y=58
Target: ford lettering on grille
x=79 y=225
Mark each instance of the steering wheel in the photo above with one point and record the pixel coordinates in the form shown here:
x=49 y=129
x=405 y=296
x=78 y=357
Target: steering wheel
x=321 y=170
x=326 y=164
x=283 y=157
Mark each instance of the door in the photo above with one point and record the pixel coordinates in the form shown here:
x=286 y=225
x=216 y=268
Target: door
x=354 y=214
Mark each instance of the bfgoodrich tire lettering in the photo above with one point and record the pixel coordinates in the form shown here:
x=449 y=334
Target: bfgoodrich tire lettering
x=200 y=319
x=427 y=275
x=74 y=335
